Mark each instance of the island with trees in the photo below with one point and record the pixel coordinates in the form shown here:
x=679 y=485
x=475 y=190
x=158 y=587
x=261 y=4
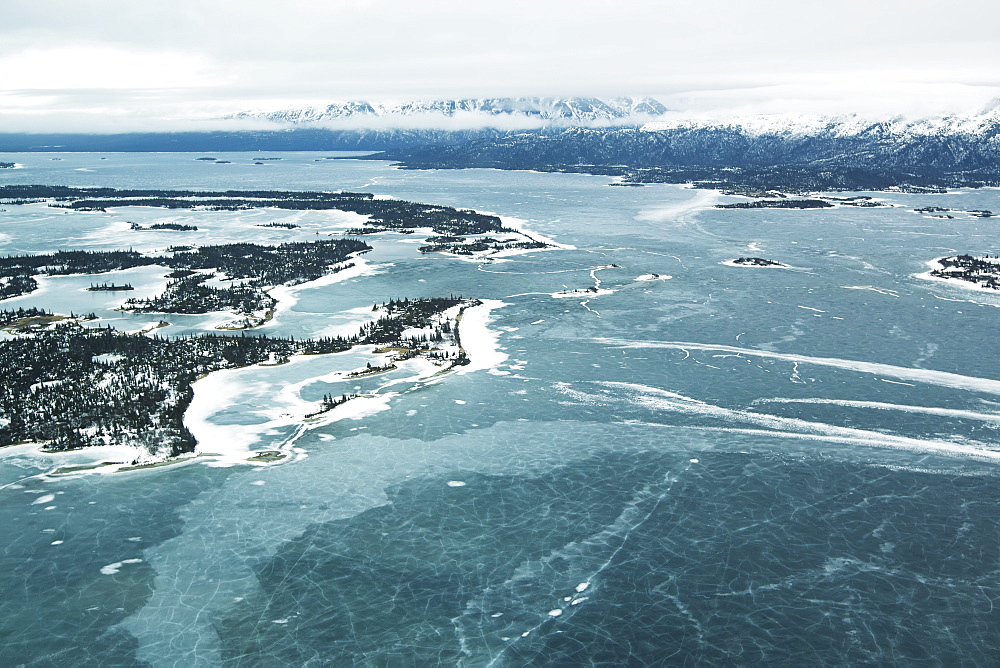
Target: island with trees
x=778 y=204
x=287 y=226
x=69 y=386
x=257 y=268
x=381 y=215
x=945 y=212
x=983 y=272
x=756 y=262
x=174 y=227
x=463 y=246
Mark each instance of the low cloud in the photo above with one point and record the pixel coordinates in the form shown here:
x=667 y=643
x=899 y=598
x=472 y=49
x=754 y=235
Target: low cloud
x=171 y=64
x=461 y=120
x=865 y=96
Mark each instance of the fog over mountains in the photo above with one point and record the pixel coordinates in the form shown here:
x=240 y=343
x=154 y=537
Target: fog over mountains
x=609 y=136
x=640 y=112
x=983 y=122
x=502 y=112
x=956 y=148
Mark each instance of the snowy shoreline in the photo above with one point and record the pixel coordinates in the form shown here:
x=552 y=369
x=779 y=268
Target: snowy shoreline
x=287 y=296
x=283 y=414
x=258 y=430
x=935 y=265
x=518 y=225
x=281 y=407
x=229 y=444
x=480 y=342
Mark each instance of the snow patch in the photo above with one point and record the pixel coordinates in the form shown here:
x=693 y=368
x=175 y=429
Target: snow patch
x=480 y=343
x=111 y=569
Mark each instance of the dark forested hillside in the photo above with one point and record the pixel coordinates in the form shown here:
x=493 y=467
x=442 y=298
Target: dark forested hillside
x=878 y=157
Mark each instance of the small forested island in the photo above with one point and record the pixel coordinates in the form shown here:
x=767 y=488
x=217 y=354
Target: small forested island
x=358 y=231
x=287 y=226
x=778 y=204
x=177 y=227
x=463 y=246
x=328 y=403
x=944 y=212
x=982 y=271
x=863 y=201
x=756 y=262
x=109 y=287
x=69 y=386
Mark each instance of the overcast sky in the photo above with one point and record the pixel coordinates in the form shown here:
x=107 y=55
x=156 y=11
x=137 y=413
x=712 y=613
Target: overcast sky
x=112 y=65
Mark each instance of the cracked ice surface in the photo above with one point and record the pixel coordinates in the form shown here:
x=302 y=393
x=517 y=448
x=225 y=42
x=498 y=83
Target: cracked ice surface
x=694 y=470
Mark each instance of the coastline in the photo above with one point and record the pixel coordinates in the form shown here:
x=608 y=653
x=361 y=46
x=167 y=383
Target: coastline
x=480 y=342
x=97 y=459
x=234 y=444
x=287 y=296
x=233 y=424
x=514 y=225
x=278 y=403
x=519 y=226
x=267 y=440
x=935 y=265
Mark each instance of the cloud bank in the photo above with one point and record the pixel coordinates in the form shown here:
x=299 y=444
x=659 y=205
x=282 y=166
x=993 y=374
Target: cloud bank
x=72 y=65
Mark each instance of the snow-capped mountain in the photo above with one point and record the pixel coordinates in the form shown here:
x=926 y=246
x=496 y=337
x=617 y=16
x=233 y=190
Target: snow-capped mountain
x=851 y=125
x=947 y=149
x=507 y=112
x=634 y=137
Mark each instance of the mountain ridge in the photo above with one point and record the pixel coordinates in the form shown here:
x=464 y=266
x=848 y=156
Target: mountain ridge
x=528 y=112
x=748 y=154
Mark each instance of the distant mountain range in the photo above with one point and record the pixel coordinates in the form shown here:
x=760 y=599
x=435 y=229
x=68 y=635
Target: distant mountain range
x=850 y=125
x=504 y=112
x=951 y=149
x=637 y=139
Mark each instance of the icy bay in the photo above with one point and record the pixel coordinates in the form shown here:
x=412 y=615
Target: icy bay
x=654 y=455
